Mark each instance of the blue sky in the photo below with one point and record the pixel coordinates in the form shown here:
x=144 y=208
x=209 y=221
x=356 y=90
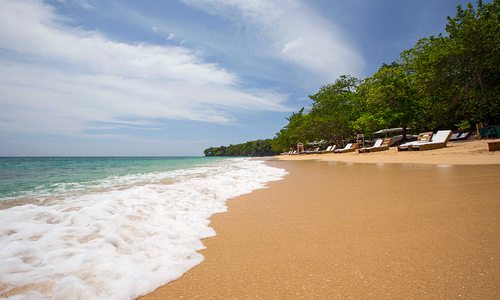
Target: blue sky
x=173 y=77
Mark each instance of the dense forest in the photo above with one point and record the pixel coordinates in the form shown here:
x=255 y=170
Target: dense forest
x=446 y=81
x=253 y=148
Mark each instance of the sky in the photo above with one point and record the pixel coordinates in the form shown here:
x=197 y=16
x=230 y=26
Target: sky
x=173 y=77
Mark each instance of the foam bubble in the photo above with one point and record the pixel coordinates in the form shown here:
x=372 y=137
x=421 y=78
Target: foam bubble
x=120 y=243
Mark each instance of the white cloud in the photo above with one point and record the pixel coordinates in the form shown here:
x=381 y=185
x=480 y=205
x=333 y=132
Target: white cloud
x=290 y=46
x=65 y=80
x=85 y=4
x=294 y=33
x=171 y=36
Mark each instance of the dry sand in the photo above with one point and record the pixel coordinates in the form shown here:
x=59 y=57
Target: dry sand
x=466 y=153
x=337 y=230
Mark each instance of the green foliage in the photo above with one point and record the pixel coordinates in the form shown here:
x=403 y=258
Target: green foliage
x=299 y=128
x=458 y=75
x=368 y=123
x=336 y=106
x=391 y=98
x=475 y=36
x=464 y=125
x=426 y=60
x=252 y=148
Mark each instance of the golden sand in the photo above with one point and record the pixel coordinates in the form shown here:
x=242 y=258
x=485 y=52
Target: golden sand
x=466 y=153
x=337 y=230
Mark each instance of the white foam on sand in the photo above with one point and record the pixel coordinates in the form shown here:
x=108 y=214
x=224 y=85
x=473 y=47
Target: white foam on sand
x=119 y=244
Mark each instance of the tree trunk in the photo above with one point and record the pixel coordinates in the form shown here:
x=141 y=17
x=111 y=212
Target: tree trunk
x=403 y=138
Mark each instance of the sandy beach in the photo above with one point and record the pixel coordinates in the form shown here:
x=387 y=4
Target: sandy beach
x=387 y=225
x=456 y=153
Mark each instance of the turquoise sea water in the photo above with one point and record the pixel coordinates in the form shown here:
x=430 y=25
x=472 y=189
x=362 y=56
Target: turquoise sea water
x=111 y=227
x=35 y=176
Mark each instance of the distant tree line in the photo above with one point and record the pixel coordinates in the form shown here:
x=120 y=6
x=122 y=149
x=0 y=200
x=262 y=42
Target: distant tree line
x=252 y=148
x=447 y=81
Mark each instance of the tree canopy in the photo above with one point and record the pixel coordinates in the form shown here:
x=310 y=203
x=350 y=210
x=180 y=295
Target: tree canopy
x=253 y=148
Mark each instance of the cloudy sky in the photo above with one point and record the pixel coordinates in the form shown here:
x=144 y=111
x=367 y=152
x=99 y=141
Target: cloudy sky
x=173 y=77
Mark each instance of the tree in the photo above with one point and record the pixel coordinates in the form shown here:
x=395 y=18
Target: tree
x=251 y=148
x=336 y=106
x=298 y=129
x=475 y=36
x=458 y=75
x=391 y=97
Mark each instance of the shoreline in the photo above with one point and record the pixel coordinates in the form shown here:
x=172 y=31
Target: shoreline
x=351 y=229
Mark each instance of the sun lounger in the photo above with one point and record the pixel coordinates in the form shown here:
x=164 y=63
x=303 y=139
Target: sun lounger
x=348 y=148
x=314 y=150
x=464 y=135
x=423 y=137
x=329 y=149
x=460 y=136
x=385 y=146
x=439 y=140
x=378 y=142
x=380 y=145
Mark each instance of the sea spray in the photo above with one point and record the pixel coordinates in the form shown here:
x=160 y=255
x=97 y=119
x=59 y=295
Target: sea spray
x=119 y=243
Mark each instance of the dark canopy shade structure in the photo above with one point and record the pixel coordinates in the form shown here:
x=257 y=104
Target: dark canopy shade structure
x=316 y=143
x=388 y=131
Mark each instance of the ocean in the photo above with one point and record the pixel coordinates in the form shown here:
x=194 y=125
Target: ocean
x=111 y=227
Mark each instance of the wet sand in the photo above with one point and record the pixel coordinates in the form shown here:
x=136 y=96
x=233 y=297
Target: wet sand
x=337 y=230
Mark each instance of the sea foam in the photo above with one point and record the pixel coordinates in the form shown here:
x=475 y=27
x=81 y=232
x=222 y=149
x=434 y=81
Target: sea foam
x=119 y=243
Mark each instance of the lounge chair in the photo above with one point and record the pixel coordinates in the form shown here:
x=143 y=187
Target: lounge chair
x=464 y=135
x=385 y=146
x=460 y=136
x=378 y=142
x=350 y=147
x=455 y=136
x=439 y=140
x=380 y=145
x=423 y=137
x=329 y=149
x=312 y=150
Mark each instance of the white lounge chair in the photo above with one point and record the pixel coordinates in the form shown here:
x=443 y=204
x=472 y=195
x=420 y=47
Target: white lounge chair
x=380 y=145
x=439 y=140
x=329 y=149
x=378 y=142
x=455 y=136
x=423 y=137
x=350 y=147
x=460 y=136
x=313 y=150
